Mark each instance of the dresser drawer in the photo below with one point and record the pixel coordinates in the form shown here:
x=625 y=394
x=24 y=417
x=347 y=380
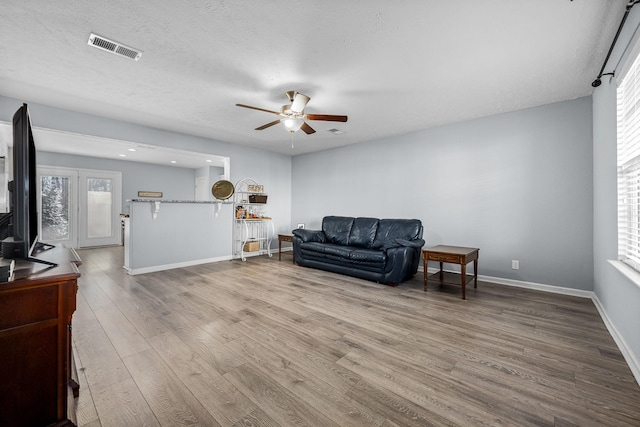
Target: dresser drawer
x=434 y=256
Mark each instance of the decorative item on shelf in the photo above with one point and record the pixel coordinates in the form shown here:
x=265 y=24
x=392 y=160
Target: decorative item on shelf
x=251 y=246
x=257 y=198
x=240 y=212
x=255 y=188
x=222 y=189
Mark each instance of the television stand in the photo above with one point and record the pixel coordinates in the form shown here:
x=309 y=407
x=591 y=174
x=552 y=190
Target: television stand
x=35 y=342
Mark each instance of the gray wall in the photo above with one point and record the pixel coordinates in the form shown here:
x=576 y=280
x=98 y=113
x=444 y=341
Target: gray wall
x=517 y=186
x=178 y=240
x=174 y=183
x=618 y=296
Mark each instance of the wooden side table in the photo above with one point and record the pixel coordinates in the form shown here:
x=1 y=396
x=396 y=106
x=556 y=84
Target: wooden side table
x=283 y=238
x=453 y=255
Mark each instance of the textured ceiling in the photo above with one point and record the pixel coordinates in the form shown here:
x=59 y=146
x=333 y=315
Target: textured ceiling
x=392 y=66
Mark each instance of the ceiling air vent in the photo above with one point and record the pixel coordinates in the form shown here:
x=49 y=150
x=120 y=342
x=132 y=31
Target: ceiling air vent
x=114 y=47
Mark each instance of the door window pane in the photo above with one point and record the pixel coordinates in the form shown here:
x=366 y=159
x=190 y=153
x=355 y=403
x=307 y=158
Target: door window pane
x=55 y=208
x=99 y=206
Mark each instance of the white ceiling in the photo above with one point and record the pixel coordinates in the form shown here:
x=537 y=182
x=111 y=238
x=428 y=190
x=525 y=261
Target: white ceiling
x=392 y=66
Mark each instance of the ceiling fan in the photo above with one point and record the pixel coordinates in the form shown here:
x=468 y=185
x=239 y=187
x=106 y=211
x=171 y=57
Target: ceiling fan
x=293 y=116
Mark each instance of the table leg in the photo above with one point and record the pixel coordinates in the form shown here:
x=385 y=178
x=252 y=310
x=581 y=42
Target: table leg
x=279 y=250
x=463 y=267
x=441 y=275
x=424 y=268
x=475 y=272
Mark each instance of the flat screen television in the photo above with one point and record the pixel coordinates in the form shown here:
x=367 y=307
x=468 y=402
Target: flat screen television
x=23 y=242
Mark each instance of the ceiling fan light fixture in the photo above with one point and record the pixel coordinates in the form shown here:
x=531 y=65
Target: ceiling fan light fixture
x=299 y=102
x=293 y=124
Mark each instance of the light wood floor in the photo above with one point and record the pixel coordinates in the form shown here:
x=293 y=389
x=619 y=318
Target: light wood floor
x=268 y=343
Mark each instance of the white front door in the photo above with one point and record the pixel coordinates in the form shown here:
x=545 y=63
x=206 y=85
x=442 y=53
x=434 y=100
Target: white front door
x=100 y=200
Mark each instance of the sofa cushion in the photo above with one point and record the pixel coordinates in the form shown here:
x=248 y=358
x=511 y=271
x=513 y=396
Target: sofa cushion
x=338 y=251
x=313 y=246
x=363 y=232
x=368 y=256
x=391 y=229
x=336 y=229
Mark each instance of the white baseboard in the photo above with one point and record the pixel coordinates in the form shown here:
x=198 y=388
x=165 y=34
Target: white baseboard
x=526 y=285
x=154 y=268
x=538 y=286
x=628 y=355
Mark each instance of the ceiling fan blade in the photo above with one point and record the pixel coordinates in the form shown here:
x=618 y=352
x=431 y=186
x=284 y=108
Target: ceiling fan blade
x=307 y=129
x=299 y=102
x=256 y=108
x=327 y=117
x=275 y=122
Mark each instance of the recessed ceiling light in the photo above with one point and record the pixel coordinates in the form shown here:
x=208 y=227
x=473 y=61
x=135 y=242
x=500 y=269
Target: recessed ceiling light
x=123 y=155
x=132 y=149
x=209 y=160
x=173 y=161
x=336 y=131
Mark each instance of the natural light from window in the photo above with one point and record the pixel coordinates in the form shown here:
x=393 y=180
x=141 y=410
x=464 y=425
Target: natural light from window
x=628 y=113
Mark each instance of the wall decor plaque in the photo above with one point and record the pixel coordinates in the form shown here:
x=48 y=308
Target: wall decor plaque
x=149 y=194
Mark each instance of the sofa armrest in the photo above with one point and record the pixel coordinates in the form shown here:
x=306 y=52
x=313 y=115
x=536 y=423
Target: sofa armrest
x=402 y=263
x=309 y=235
x=398 y=243
x=416 y=243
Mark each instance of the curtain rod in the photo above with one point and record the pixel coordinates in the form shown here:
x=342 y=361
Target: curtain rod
x=597 y=82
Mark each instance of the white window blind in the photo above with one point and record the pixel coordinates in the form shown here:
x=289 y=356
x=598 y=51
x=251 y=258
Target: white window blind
x=629 y=166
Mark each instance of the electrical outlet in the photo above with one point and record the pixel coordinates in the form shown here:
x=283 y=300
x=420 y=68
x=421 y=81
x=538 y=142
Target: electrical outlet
x=515 y=264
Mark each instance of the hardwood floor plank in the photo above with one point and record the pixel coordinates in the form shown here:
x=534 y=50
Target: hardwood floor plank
x=123 y=335
x=100 y=362
x=86 y=412
x=257 y=418
x=226 y=403
x=212 y=350
x=170 y=400
x=291 y=371
x=287 y=348
x=436 y=405
x=393 y=407
x=276 y=401
x=122 y=404
x=524 y=397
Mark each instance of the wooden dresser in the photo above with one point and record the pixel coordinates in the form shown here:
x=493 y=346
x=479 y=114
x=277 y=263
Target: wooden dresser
x=36 y=306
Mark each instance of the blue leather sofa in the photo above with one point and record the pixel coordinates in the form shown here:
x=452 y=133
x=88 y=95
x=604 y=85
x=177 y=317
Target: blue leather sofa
x=382 y=250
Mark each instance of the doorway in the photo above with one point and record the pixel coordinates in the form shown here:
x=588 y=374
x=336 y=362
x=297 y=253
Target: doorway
x=79 y=208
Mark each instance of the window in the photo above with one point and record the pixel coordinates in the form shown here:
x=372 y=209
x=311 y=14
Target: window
x=628 y=113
